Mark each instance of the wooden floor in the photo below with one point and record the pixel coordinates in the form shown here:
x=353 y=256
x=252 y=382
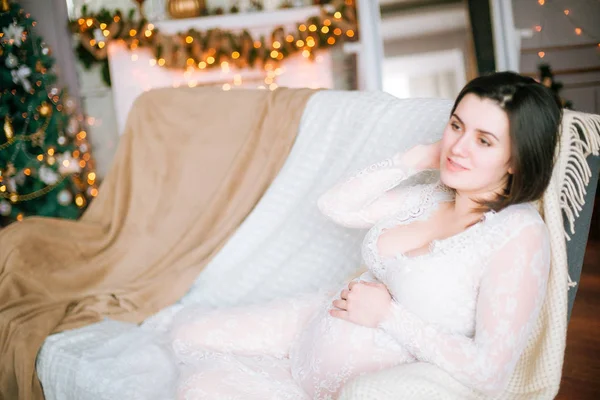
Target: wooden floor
x=581 y=371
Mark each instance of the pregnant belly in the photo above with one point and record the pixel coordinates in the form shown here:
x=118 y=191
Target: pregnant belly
x=330 y=351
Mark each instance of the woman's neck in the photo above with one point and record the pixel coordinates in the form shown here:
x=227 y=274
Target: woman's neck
x=466 y=209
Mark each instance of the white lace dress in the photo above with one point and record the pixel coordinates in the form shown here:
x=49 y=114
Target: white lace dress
x=467 y=305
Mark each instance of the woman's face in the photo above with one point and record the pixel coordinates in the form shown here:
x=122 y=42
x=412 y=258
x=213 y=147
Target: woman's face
x=475 y=154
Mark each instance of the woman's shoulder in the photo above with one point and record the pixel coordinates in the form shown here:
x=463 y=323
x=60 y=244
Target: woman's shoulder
x=517 y=219
x=526 y=213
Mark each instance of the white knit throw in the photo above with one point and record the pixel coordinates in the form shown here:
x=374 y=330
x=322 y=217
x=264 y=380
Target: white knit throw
x=538 y=372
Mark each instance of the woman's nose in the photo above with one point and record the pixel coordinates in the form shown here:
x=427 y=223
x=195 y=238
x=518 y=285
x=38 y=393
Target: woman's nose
x=461 y=146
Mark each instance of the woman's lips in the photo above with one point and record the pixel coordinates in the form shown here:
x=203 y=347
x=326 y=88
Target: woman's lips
x=454 y=166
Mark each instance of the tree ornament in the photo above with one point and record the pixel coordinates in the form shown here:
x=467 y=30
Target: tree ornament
x=64 y=197
x=20 y=75
x=91 y=191
x=62 y=140
x=80 y=200
x=11 y=184
x=10 y=170
x=5 y=208
x=547 y=81
x=11 y=61
x=4 y=6
x=14 y=197
x=8 y=129
x=20 y=178
x=67 y=164
x=38 y=66
x=45 y=110
x=72 y=127
x=69 y=105
x=13 y=34
x=38 y=138
x=185 y=8
x=98 y=35
x=48 y=176
x=256 y=5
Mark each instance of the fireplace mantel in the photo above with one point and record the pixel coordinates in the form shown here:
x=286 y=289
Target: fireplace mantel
x=255 y=21
x=133 y=72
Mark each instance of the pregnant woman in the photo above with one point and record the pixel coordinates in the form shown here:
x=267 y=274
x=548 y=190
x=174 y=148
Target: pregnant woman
x=456 y=269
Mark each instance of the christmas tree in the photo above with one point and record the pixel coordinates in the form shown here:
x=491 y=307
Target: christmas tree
x=46 y=167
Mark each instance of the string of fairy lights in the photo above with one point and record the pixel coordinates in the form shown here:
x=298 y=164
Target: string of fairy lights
x=570 y=15
x=216 y=48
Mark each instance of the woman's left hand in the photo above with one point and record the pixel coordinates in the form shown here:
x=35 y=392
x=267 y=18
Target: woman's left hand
x=363 y=303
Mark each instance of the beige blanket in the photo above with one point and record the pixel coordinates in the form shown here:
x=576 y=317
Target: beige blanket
x=191 y=166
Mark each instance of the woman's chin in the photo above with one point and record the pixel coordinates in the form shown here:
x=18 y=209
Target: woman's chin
x=452 y=180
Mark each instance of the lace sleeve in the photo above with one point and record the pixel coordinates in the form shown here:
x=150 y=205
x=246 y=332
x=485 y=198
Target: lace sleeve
x=367 y=197
x=510 y=296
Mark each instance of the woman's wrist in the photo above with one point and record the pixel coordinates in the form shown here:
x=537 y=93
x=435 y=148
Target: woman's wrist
x=408 y=161
x=420 y=157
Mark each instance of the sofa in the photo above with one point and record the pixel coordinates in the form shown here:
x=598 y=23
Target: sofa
x=285 y=245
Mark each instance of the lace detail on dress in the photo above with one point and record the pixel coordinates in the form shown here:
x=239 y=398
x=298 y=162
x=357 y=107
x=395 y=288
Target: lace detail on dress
x=415 y=208
x=511 y=259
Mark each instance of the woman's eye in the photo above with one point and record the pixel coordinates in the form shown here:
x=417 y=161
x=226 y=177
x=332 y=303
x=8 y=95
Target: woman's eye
x=455 y=127
x=484 y=142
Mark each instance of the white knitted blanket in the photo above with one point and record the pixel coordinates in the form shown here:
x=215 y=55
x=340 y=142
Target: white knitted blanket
x=286 y=246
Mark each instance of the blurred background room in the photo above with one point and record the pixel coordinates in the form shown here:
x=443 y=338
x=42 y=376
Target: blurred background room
x=107 y=52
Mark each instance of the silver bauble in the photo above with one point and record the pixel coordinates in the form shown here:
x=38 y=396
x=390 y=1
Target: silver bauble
x=64 y=197
x=70 y=105
x=72 y=127
x=11 y=61
x=5 y=208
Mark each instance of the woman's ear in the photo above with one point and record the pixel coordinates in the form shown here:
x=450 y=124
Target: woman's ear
x=510 y=171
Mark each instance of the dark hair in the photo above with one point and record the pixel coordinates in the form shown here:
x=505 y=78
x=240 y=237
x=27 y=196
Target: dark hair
x=534 y=115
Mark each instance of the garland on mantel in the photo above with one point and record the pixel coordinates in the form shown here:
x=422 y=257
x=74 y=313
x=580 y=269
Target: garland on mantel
x=214 y=48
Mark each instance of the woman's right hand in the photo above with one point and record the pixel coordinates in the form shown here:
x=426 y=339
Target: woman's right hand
x=420 y=157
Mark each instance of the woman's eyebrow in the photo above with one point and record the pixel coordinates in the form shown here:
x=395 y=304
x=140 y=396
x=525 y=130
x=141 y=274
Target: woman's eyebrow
x=478 y=130
x=488 y=133
x=458 y=118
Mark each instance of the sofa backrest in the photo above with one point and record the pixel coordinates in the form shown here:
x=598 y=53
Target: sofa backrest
x=577 y=245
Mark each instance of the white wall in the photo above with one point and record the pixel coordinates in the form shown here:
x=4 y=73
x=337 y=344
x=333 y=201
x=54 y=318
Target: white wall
x=154 y=9
x=426 y=58
x=51 y=17
x=439 y=74
x=86 y=87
